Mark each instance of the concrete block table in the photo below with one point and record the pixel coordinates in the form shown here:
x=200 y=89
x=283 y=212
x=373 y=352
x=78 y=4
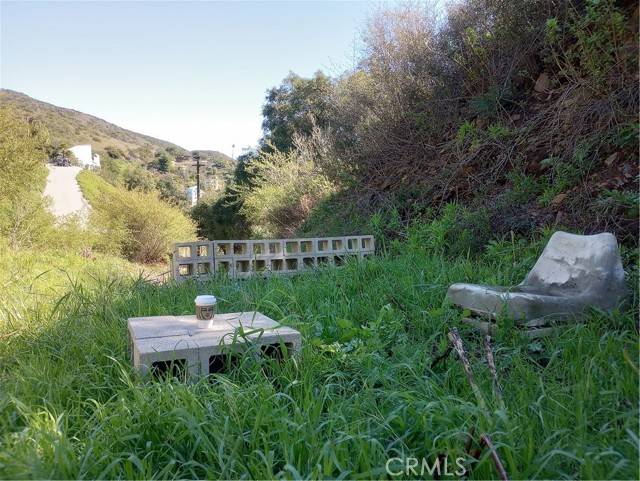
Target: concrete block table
x=163 y=343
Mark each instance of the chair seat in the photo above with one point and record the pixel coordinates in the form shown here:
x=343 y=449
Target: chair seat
x=572 y=273
x=514 y=303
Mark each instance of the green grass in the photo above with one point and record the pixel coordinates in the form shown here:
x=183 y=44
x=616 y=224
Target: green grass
x=361 y=391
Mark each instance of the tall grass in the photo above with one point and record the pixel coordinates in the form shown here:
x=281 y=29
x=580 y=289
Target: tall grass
x=360 y=392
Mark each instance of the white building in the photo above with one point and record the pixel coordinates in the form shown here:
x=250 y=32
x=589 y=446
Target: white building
x=214 y=183
x=192 y=194
x=85 y=156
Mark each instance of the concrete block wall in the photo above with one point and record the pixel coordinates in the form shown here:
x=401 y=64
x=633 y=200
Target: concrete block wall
x=244 y=258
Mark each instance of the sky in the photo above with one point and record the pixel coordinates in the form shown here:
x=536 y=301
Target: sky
x=192 y=73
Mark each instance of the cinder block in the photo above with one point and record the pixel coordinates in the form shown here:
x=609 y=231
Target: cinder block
x=324 y=260
x=307 y=246
x=277 y=265
x=243 y=258
x=292 y=264
x=259 y=248
x=352 y=244
x=185 y=268
x=203 y=250
x=225 y=266
x=260 y=266
x=204 y=268
x=184 y=251
x=323 y=246
x=223 y=249
x=307 y=262
x=291 y=247
x=242 y=248
x=157 y=343
x=338 y=244
x=242 y=268
x=367 y=243
x=160 y=352
x=175 y=343
x=275 y=247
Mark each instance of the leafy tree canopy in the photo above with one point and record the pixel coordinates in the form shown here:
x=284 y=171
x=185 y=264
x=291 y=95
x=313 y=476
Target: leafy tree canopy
x=294 y=106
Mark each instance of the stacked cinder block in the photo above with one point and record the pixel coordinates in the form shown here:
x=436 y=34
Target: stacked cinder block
x=244 y=258
x=175 y=345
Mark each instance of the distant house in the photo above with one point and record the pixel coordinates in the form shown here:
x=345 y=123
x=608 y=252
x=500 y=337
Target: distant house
x=214 y=183
x=85 y=156
x=192 y=194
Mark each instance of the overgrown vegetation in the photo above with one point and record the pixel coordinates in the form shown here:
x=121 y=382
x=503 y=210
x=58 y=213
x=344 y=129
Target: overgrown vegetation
x=461 y=144
x=526 y=110
x=133 y=223
x=362 y=390
x=283 y=190
x=24 y=220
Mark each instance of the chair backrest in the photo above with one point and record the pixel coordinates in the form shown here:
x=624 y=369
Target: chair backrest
x=579 y=265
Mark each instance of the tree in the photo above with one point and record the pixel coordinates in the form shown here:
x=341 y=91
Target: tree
x=171 y=190
x=294 y=107
x=164 y=161
x=59 y=150
x=220 y=218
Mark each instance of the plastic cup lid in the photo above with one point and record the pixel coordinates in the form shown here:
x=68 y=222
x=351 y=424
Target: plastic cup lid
x=205 y=300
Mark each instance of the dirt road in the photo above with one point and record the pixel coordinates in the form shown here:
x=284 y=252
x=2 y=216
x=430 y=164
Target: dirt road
x=63 y=188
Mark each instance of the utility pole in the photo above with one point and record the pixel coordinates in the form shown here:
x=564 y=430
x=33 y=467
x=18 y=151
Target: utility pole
x=196 y=157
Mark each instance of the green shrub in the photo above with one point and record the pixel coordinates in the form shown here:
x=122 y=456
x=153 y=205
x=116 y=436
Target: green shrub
x=24 y=218
x=220 y=218
x=285 y=188
x=456 y=232
x=589 y=44
x=565 y=174
x=335 y=215
x=466 y=132
x=622 y=203
x=135 y=224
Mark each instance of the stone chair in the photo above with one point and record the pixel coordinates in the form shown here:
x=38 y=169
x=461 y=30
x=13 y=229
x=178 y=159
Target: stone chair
x=574 y=272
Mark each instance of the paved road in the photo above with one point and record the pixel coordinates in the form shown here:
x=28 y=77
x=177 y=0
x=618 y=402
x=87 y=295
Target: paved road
x=63 y=188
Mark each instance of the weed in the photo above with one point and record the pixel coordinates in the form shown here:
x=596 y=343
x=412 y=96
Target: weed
x=523 y=187
x=466 y=133
x=360 y=392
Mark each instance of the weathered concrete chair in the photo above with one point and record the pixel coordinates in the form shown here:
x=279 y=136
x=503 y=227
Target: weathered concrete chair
x=573 y=273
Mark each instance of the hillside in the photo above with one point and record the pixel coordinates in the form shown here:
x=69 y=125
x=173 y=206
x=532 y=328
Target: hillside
x=216 y=160
x=72 y=127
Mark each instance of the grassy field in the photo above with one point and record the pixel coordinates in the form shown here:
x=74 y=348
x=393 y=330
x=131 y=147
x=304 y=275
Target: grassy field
x=360 y=392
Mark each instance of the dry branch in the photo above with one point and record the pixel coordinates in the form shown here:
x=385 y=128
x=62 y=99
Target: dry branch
x=486 y=441
x=492 y=368
x=456 y=340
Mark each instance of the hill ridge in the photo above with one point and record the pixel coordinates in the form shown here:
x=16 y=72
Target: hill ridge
x=71 y=126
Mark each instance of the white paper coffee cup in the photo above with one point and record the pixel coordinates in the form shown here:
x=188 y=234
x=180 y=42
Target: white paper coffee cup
x=206 y=307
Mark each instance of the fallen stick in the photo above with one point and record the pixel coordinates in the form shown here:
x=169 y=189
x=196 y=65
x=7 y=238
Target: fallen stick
x=456 y=340
x=492 y=368
x=486 y=441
